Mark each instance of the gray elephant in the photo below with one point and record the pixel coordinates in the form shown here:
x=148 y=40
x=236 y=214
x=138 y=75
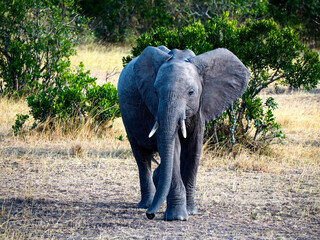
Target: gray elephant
x=166 y=98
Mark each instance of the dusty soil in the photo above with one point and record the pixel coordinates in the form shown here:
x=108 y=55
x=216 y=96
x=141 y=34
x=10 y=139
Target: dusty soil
x=57 y=193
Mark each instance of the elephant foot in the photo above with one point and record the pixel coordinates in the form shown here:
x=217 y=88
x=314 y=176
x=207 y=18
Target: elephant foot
x=145 y=202
x=176 y=212
x=192 y=209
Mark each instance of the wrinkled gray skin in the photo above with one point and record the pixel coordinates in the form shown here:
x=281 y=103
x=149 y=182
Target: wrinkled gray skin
x=168 y=87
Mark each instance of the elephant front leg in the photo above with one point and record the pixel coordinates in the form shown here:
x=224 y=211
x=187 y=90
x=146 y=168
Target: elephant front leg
x=146 y=185
x=190 y=158
x=190 y=183
x=143 y=159
x=189 y=175
x=176 y=200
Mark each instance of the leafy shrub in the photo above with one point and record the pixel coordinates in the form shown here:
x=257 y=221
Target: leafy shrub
x=17 y=127
x=76 y=95
x=36 y=40
x=271 y=54
x=102 y=102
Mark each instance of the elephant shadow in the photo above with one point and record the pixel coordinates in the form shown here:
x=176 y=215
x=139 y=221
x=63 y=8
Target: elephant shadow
x=48 y=214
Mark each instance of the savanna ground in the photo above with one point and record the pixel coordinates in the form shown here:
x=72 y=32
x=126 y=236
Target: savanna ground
x=85 y=185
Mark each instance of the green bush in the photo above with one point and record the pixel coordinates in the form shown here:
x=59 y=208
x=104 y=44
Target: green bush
x=18 y=125
x=273 y=55
x=75 y=96
x=36 y=40
x=102 y=102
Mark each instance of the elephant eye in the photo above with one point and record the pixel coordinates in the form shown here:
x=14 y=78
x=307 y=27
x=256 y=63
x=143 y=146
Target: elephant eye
x=191 y=92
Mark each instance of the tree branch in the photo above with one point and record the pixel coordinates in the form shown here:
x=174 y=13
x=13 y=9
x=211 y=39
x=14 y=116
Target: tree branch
x=271 y=81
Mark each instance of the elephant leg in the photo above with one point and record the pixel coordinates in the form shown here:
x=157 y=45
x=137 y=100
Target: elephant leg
x=190 y=158
x=176 y=200
x=143 y=158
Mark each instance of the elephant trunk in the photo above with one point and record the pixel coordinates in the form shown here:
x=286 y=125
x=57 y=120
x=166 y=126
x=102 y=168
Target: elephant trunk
x=168 y=119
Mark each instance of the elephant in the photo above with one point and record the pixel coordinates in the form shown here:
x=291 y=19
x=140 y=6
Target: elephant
x=166 y=98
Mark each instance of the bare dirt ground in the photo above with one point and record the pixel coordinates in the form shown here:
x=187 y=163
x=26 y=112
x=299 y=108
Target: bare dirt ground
x=49 y=190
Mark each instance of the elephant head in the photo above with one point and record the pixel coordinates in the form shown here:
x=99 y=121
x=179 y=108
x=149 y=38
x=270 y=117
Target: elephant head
x=177 y=85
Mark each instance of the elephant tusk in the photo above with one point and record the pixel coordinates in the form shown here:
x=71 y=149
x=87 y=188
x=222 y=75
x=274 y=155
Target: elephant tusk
x=183 y=129
x=154 y=129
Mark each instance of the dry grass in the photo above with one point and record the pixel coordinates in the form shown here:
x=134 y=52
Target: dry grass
x=102 y=61
x=298 y=115
x=8 y=110
x=84 y=185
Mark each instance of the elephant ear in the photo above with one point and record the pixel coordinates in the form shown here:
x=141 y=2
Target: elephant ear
x=146 y=68
x=225 y=79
